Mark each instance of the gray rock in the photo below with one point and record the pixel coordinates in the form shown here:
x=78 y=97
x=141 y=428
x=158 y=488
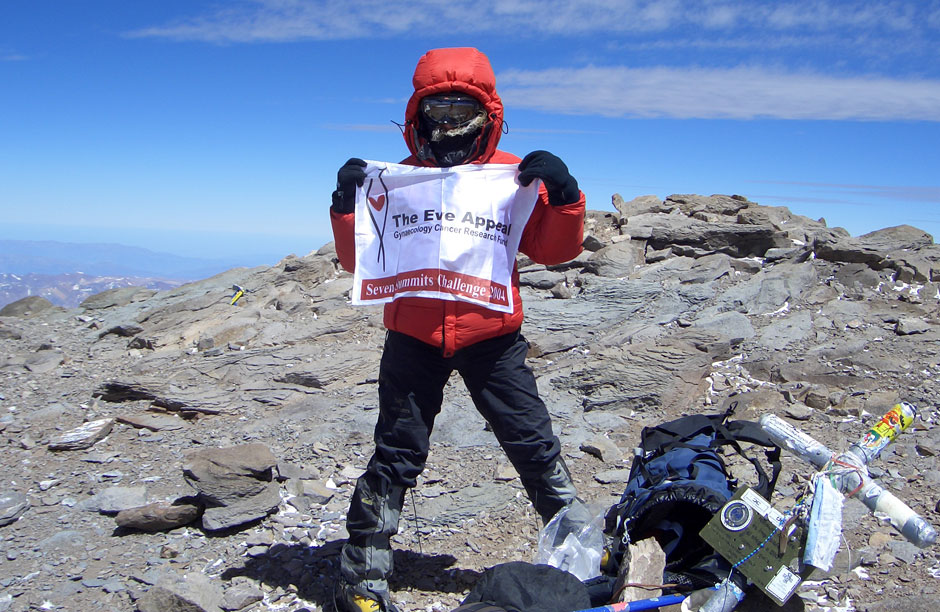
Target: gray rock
x=788 y=330
x=798 y=412
x=236 y=484
x=69 y=539
x=908 y=326
x=904 y=550
x=241 y=596
x=690 y=204
x=194 y=592
x=641 y=205
x=7 y=333
x=736 y=240
x=771 y=296
x=617 y=260
x=706 y=269
x=44 y=361
x=466 y=503
x=641 y=378
x=780 y=253
x=874 y=249
x=541 y=279
x=293 y=471
x=82 y=437
x=896 y=238
x=620 y=476
x=601 y=303
x=858 y=276
x=912 y=268
x=912 y=603
x=665 y=270
x=26 y=307
x=542 y=344
x=154 y=421
x=120 y=296
x=733 y=325
x=115 y=499
x=13 y=505
x=603 y=448
x=311 y=492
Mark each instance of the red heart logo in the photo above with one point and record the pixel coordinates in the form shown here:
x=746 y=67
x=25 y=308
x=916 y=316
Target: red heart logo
x=377 y=203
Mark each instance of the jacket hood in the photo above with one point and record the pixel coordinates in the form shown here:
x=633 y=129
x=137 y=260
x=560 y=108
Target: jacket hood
x=462 y=69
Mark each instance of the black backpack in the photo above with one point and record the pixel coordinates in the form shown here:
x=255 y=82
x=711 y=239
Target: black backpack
x=525 y=587
x=678 y=481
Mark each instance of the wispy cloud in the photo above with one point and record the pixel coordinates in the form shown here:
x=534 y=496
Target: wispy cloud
x=12 y=57
x=907 y=193
x=737 y=93
x=784 y=199
x=516 y=130
x=288 y=20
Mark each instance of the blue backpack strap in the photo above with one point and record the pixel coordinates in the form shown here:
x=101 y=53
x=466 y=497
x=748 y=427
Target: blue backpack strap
x=748 y=431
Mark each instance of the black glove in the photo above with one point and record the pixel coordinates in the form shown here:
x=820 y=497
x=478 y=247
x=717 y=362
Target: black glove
x=350 y=176
x=562 y=187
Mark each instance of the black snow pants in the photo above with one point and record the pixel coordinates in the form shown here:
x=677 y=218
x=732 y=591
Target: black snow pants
x=412 y=377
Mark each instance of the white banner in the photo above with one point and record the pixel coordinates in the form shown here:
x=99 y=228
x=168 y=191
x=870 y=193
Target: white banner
x=445 y=233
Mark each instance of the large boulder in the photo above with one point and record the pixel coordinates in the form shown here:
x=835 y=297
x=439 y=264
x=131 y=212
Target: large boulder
x=26 y=307
x=702 y=238
x=235 y=484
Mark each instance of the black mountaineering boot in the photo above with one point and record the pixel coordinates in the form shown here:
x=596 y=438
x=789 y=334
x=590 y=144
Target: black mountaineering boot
x=366 y=558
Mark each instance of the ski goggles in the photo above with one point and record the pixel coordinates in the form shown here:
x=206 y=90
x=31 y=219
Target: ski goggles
x=452 y=109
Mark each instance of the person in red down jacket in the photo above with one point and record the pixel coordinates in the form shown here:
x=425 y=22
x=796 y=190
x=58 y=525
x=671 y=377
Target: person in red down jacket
x=454 y=117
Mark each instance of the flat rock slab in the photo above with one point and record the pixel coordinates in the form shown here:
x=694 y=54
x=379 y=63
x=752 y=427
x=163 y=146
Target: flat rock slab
x=12 y=506
x=452 y=508
x=154 y=421
x=115 y=499
x=235 y=483
x=247 y=510
x=205 y=401
x=194 y=592
x=83 y=437
x=44 y=361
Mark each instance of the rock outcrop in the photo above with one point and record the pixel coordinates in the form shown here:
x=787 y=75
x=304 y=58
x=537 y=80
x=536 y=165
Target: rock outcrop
x=265 y=408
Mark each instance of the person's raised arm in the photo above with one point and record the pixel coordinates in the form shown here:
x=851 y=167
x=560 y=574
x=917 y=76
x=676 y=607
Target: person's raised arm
x=342 y=211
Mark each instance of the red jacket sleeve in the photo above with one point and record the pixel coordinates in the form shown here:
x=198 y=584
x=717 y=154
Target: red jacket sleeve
x=344 y=239
x=554 y=234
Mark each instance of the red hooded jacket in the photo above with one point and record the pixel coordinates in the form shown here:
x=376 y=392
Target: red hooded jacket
x=552 y=235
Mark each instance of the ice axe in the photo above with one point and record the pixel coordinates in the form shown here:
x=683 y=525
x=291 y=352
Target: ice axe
x=239 y=292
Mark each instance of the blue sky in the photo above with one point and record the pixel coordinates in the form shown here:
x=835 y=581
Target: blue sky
x=216 y=128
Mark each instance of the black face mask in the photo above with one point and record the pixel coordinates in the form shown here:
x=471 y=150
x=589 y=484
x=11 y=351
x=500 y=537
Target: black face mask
x=455 y=150
x=452 y=126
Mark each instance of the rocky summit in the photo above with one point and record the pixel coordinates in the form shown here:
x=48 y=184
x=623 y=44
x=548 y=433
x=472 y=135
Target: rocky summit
x=171 y=450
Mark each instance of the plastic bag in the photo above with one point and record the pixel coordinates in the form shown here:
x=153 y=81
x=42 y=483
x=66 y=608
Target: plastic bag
x=573 y=541
x=824 y=533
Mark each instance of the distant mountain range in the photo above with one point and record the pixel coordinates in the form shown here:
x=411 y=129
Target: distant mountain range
x=49 y=257
x=67 y=273
x=70 y=290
